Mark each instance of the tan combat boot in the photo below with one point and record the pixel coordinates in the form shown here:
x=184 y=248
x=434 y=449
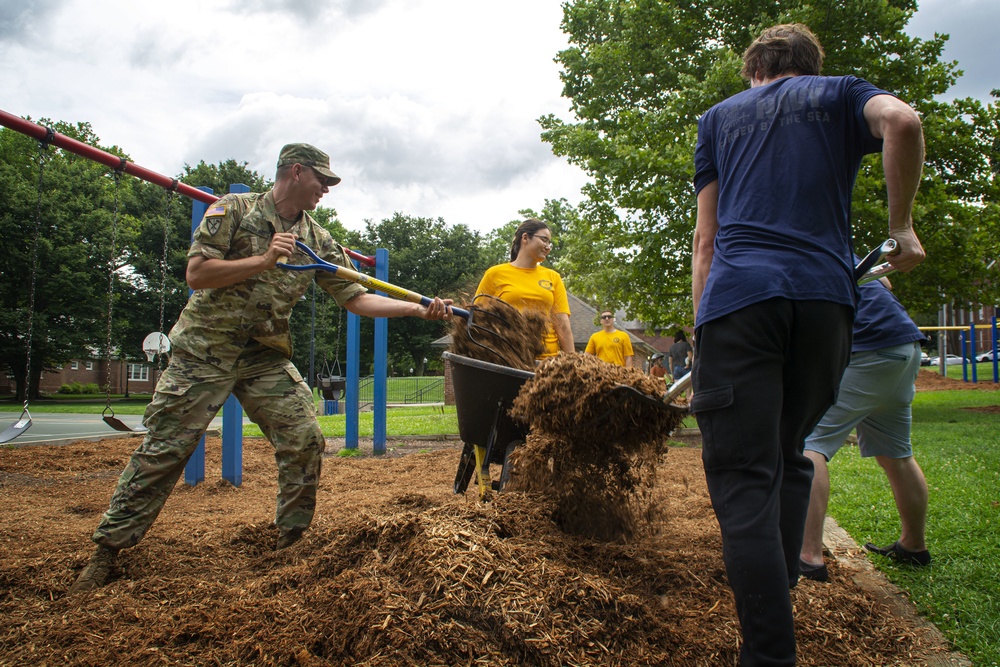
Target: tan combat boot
x=96 y=573
x=288 y=538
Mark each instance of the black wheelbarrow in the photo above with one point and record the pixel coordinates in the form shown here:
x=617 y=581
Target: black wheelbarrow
x=484 y=393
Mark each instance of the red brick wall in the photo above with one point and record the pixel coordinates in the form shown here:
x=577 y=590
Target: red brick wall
x=52 y=380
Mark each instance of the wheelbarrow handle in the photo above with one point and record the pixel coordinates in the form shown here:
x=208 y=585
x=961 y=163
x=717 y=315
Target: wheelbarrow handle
x=679 y=386
x=866 y=271
x=350 y=275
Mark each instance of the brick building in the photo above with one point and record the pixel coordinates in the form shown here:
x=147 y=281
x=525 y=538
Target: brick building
x=134 y=376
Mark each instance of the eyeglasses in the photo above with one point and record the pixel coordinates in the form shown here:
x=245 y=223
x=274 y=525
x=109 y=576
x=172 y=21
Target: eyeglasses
x=607 y=317
x=545 y=241
x=319 y=177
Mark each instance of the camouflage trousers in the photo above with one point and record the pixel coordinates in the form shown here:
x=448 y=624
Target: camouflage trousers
x=188 y=396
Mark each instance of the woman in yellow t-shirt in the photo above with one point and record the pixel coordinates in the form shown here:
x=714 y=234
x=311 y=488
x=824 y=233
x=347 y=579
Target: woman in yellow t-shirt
x=525 y=284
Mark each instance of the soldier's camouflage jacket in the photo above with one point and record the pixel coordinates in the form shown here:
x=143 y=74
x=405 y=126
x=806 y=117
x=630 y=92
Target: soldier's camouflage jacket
x=217 y=323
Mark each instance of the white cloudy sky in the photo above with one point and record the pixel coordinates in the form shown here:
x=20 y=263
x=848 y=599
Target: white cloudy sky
x=427 y=107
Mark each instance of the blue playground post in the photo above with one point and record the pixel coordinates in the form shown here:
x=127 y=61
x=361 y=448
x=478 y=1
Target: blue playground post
x=353 y=377
x=963 y=352
x=381 y=360
x=194 y=471
x=972 y=353
x=352 y=396
x=232 y=411
x=996 y=349
x=232 y=418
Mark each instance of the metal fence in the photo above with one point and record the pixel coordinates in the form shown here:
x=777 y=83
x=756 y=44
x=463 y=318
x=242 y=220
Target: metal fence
x=411 y=390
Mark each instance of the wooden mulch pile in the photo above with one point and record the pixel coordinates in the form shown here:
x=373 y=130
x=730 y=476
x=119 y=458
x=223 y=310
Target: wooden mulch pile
x=395 y=571
x=596 y=430
x=594 y=444
x=930 y=379
x=499 y=333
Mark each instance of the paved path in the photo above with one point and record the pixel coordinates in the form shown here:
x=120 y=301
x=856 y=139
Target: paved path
x=61 y=428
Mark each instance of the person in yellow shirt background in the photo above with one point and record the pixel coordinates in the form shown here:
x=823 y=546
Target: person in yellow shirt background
x=609 y=344
x=526 y=285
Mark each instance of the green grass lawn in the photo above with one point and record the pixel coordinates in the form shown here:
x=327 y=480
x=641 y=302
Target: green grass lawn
x=959 y=451
x=85 y=404
x=404 y=389
x=400 y=422
x=984 y=371
x=398 y=390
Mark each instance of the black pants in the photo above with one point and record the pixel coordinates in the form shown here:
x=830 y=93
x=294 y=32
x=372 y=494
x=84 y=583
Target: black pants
x=763 y=377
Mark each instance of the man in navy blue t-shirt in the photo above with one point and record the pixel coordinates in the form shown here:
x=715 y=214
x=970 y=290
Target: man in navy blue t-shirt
x=774 y=298
x=876 y=394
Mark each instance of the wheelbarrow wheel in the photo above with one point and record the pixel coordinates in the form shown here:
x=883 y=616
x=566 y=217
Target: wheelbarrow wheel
x=466 y=468
x=507 y=468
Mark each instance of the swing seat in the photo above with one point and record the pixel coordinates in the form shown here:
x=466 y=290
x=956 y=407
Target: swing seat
x=331 y=386
x=17 y=428
x=118 y=424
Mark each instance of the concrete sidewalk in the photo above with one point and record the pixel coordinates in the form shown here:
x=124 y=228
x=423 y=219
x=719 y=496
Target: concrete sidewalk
x=51 y=428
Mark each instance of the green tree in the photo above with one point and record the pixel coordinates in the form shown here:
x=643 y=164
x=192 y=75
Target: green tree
x=157 y=266
x=220 y=176
x=85 y=238
x=323 y=336
x=558 y=214
x=640 y=72
x=431 y=258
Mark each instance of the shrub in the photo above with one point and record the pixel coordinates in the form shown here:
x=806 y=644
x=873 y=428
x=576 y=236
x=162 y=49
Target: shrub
x=78 y=388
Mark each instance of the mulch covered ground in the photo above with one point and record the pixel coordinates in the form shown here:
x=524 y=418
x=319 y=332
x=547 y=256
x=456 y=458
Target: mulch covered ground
x=929 y=379
x=397 y=570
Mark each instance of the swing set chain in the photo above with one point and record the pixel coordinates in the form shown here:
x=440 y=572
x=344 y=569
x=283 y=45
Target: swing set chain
x=111 y=284
x=42 y=147
x=163 y=270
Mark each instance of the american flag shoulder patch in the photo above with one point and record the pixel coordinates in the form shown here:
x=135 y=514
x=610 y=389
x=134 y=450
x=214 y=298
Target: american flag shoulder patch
x=216 y=209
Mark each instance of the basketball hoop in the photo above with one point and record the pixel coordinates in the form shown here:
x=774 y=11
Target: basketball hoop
x=154 y=344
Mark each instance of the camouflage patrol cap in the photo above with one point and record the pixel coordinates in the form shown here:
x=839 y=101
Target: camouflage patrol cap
x=308 y=156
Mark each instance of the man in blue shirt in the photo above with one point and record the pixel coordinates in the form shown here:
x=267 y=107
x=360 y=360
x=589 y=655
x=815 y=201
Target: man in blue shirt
x=774 y=298
x=875 y=396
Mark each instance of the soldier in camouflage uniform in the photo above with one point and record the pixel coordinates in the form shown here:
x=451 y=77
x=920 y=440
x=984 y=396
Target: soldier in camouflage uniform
x=233 y=337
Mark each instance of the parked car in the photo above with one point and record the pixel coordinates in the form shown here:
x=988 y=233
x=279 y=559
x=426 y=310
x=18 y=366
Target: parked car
x=950 y=360
x=985 y=356
x=925 y=359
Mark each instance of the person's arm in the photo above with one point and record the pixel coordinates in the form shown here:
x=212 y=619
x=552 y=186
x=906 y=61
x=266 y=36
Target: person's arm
x=591 y=346
x=209 y=272
x=628 y=361
x=706 y=227
x=898 y=125
x=375 y=305
x=560 y=322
